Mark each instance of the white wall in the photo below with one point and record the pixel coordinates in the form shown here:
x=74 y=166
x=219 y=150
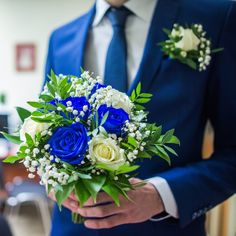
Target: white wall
x=30 y=21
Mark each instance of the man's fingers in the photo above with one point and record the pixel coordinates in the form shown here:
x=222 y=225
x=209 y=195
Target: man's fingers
x=100 y=211
x=71 y=205
x=51 y=195
x=106 y=223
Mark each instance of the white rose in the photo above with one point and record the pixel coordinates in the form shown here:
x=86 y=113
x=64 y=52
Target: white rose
x=189 y=40
x=106 y=151
x=119 y=100
x=32 y=128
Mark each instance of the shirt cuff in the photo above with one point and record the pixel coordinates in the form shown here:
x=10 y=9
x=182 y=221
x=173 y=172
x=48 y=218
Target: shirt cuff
x=166 y=194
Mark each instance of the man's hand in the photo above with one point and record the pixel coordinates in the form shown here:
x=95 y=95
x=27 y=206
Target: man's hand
x=146 y=202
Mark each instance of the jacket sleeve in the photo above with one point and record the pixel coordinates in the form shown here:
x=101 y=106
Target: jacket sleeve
x=200 y=186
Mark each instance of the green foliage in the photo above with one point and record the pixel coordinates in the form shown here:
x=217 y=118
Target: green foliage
x=62 y=195
x=104 y=118
x=132 y=141
x=94 y=185
x=113 y=191
x=29 y=140
x=139 y=98
x=12 y=159
x=157 y=143
x=12 y=138
x=124 y=169
x=23 y=113
x=37 y=105
x=81 y=192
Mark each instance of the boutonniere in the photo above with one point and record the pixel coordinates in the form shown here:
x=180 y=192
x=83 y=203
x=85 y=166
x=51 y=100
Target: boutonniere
x=189 y=45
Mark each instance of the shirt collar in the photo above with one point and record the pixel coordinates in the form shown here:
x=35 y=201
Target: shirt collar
x=140 y=8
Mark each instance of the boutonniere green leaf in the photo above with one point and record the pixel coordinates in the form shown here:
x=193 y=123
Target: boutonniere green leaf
x=189 y=45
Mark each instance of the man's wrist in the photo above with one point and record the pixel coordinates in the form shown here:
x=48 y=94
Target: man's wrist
x=166 y=195
x=158 y=205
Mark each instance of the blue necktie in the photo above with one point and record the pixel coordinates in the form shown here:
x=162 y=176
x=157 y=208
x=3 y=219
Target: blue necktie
x=116 y=59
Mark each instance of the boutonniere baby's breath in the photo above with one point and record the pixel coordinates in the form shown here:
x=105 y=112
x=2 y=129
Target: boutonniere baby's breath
x=189 y=45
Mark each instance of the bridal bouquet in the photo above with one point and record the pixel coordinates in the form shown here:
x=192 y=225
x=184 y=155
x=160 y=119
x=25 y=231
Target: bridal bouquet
x=85 y=137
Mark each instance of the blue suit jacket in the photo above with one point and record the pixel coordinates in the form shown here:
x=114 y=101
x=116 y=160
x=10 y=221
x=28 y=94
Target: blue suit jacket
x=184 y=99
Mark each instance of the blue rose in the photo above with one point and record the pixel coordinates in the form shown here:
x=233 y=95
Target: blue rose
x=69 y=143
x=115 y=121
x=77 y=103
x=96 y=87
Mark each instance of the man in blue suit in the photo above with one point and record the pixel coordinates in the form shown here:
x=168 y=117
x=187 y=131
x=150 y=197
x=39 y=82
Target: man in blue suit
x=176 y=198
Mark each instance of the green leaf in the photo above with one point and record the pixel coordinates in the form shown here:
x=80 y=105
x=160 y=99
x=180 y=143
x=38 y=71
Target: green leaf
x=12 y=159
x=36 y=105
x=94 y=185
x=58 y=188
x=81 y=192
x=155 y=137
x=146 y=95
x=23 y=113
x=104 y=118
x=171 y=150
x=174 y=140
x=190 y=63
x=46 y=98
x=217 y=50
x=138 y=89
x=63 y=82
x=144 y=155
x=104 y=167
x=139 y=107
x=43 y=120
x=142 y=100
x=126 y=169
x=12 y=138
x=53 y=77
x=112 y=191
x=37 y=113
x=132 y=141
x=50 y=107
x=29 y=140
x=96 y=119
x=126 y=146
x=49 y=188
x=167 y=31
x=83 y=176
x=167 y=136
x=63 y=107
x=51 y=89
x=163 y=154
x=61 y=196
x=133 y=95
x=82 y=70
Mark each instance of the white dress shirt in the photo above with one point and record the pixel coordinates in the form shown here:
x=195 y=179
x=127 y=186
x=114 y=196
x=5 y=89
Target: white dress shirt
x=136 y=31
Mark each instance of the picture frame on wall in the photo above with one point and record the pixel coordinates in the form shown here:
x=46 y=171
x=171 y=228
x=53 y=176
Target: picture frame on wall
x=25 y=57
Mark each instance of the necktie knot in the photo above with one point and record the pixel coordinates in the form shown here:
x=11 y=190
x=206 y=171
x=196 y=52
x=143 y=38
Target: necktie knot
x=118 y=16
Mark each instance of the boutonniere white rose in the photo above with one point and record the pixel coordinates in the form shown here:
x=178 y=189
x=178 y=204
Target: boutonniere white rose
x=189 y=45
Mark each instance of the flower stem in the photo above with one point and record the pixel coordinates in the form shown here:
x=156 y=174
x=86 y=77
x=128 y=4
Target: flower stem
x=77 y=219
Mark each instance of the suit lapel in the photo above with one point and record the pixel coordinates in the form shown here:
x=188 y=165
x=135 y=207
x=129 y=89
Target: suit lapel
x=164 y=17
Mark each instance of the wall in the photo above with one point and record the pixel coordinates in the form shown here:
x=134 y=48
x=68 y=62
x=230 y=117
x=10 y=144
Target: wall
x=23 y=21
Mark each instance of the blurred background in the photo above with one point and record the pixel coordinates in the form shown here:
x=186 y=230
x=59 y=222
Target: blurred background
x=25 y=28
